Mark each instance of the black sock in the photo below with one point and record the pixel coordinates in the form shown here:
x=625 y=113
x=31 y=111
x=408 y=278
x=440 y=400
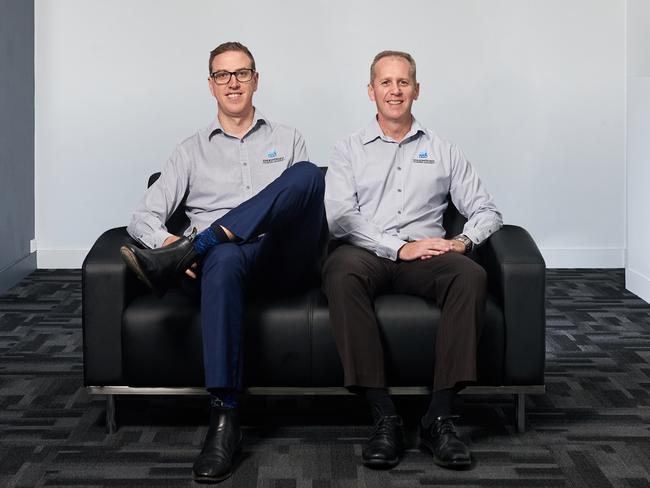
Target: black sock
x=440 y=406
x=381 y=405
x=220 y=233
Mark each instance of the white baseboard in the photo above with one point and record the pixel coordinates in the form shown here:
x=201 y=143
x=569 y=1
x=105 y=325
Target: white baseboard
x=605 y=257
x=638 y=283
x=60 y=258
x=555 y=258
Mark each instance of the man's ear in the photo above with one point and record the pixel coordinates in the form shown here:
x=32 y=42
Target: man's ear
x=417 y=91
x=371 y=92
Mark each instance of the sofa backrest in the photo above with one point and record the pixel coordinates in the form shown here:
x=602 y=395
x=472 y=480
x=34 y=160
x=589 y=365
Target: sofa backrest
x=452 y=220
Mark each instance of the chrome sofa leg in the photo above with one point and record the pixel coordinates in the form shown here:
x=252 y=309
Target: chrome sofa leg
x=111 y=425
x=521 y=412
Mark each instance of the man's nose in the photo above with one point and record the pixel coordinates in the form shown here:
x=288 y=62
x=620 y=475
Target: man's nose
x=234 y=82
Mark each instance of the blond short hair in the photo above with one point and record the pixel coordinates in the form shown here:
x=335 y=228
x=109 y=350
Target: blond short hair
x=398 y=54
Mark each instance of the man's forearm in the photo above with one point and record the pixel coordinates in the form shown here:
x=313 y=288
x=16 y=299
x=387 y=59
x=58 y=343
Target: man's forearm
x=355 y=229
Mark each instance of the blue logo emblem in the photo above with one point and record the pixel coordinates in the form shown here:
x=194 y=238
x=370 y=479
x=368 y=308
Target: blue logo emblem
x=423 y=155
x=272 y=154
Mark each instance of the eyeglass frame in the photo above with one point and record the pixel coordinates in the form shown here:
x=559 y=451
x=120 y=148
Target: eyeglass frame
x=231 y=73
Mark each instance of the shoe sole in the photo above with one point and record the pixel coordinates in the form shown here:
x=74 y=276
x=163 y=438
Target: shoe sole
x=209 y=479
x=132 y=262
x=445 y=464
x=381 y=463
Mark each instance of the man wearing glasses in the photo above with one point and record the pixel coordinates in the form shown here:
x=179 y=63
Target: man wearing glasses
x=387 y=190
x=256 y=209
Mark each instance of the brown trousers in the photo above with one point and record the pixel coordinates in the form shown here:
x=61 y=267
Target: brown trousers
x=353 y=277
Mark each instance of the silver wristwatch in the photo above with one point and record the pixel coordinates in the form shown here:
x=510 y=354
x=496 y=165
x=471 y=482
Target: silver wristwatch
x=465 y=240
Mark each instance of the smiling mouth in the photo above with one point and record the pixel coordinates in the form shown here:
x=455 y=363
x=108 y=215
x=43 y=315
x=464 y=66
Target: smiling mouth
x=233 y=96
x=394 y=102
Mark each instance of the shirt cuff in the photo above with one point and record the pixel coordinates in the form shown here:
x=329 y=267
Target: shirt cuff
x=389 y=246
x=158 y=238
x=153 y=240
x=473 y=236
x=478 y=236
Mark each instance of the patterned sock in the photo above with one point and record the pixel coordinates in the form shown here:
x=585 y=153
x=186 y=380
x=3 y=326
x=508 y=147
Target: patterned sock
x=223 y=398
x=209 y=238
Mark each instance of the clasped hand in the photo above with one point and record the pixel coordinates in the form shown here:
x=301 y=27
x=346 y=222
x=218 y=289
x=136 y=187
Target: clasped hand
x=191 y=271
x=427 y=248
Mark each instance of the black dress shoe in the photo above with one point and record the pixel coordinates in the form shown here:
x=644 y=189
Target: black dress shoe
x=441 y=438
x=157 y=267
x=222 y=442
x=386 y=444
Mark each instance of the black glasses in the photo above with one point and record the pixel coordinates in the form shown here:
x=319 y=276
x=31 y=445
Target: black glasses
x=223 y=77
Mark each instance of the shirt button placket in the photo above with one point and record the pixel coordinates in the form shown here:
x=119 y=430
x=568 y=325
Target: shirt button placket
x=401 y=183
x=245 y=168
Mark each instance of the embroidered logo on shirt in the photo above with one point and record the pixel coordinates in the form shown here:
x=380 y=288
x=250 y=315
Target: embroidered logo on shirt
x=272 y=157
x=423 y=157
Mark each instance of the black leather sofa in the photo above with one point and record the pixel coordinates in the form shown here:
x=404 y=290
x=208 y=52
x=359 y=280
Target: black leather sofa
x=137 y=343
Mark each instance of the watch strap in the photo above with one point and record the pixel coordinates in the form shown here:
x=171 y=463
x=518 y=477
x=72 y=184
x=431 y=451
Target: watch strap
x=465 y=240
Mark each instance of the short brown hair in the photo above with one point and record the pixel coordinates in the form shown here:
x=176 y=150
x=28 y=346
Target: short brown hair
x=229 y=46
x=399 y=54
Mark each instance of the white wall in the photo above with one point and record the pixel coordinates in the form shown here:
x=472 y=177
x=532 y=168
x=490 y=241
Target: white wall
x=637 y=270
x=534 y=92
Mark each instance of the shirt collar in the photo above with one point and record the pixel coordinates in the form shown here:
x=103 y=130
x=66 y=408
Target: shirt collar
x=373 y=131
x=258 y=119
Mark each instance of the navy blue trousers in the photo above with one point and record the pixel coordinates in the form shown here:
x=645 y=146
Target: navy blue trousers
x=291 y=215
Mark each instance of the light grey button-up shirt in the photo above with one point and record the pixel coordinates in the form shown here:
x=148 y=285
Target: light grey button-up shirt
x=217 y=172
x=381 y=193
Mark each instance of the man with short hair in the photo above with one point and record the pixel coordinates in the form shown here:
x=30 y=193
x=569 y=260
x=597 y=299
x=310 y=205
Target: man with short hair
x=256 y=206
x=387 y=189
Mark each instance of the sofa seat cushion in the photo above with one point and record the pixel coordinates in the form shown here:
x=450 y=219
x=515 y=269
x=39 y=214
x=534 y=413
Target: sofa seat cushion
x=292 y=339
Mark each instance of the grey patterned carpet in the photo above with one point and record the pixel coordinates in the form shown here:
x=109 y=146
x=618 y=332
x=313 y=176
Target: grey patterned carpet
x=591 y=429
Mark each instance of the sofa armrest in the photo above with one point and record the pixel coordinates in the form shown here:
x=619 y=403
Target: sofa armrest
x=107 y=287
x=516 y=277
